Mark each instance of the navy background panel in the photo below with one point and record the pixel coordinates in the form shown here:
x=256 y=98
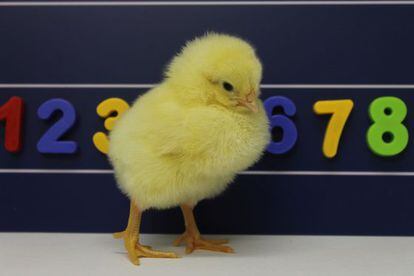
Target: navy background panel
x=298 y=45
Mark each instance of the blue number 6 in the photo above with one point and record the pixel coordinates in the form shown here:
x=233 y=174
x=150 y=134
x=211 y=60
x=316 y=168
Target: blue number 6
x=290 y=133
x=49 y=142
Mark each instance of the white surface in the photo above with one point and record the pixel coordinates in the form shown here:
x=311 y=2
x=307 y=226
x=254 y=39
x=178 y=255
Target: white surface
x=99 y=254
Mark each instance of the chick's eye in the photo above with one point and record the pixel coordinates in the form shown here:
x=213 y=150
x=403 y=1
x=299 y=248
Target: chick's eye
x=227 y=86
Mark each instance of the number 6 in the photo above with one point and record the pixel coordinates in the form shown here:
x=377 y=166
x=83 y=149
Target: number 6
x=290 y=133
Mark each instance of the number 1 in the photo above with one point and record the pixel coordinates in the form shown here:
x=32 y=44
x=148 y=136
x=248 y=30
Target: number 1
x=340 y=110
x=12 y=113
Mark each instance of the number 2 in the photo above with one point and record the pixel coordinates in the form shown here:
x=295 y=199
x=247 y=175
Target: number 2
x=104 y=110
x=290 y=133
x=49 y=143
x=340 y=110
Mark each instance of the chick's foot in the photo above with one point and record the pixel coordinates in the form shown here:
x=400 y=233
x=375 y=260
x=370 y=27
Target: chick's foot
x=121 y=235
x=137 y=251
x=195 y=241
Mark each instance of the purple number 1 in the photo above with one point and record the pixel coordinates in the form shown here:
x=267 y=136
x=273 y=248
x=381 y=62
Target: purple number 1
x=290 y=133
x=49 y=143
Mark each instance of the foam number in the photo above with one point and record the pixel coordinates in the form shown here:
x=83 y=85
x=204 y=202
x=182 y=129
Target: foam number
x=340 y=110
x=290 y=133
x=12 y=113
x=104 y=110
x=387 y=136
x=49 y=142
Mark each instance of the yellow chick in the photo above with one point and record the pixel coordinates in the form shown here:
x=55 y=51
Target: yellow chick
x=187 y=138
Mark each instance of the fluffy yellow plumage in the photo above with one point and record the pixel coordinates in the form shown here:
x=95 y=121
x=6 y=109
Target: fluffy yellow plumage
x=187 y=138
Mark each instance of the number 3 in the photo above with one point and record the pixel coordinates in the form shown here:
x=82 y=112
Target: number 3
x=290 y=133
x=104 y=110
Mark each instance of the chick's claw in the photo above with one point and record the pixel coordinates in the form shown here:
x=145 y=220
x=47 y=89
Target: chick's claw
x=121 y=235
x=147 y=252
x=184 y=237
x=196 y=242
x=137 y=251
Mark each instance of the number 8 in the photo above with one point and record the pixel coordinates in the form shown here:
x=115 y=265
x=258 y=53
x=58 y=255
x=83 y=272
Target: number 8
x=387 y=113
x=290 y=133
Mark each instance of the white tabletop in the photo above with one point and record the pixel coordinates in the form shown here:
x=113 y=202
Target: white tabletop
x=99 y=254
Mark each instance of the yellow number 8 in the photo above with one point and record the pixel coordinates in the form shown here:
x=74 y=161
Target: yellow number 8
x=107 y=107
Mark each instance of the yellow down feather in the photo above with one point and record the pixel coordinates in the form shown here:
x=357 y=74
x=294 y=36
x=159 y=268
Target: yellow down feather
x=187 y=138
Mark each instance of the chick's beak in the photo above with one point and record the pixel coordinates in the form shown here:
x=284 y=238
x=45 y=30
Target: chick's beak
x=250 y=102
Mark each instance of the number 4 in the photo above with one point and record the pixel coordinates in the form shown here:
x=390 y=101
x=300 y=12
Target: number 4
x=340 y=110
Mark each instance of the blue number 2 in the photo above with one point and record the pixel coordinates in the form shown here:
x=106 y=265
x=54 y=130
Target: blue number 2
x=290 y=133
x=49 y=142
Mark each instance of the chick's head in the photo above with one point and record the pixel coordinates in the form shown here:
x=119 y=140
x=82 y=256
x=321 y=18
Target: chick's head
x=218 y=69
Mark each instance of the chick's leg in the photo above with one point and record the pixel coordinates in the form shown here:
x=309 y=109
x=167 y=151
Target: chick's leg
x=192 y=236
x=131 y=239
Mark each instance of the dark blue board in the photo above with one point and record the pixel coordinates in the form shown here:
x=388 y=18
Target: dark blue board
x=325 y=44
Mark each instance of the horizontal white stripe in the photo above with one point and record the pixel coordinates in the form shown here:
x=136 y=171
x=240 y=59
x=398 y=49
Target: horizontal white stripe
x=149 y=85
x=54 y=171
x=338 y=86
x=329 y=173
x=204 y=3
x=76 y=85
x=306 y=173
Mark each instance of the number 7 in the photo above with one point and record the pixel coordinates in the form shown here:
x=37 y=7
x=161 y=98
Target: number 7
x=340 y=110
